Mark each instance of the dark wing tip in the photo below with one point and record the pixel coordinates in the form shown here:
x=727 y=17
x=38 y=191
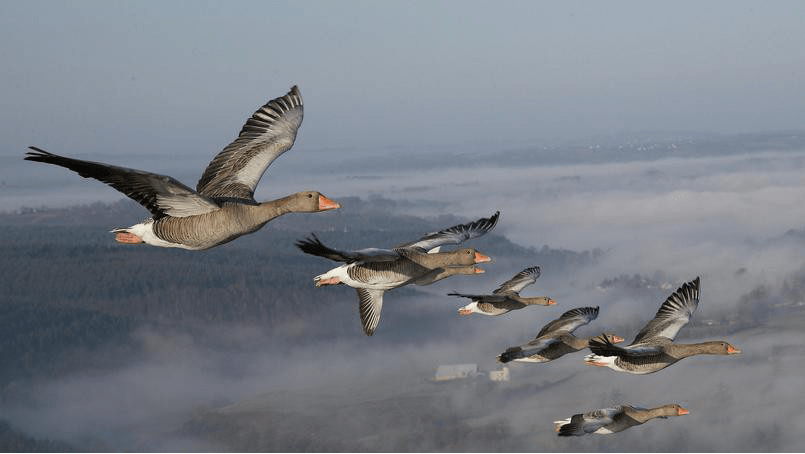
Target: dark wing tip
x=581 y=311
x=294 y=95
x=38 y=154
x=510 y=354
x=533 y=271
x=574 y=427
x=483 y=224
x=311 y=245
x=600 y=345
x=490 y=222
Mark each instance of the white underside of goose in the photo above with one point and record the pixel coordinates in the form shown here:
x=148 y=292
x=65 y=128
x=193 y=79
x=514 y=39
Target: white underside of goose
x=532 y=359
x=335 y=276
x=560 y=423
x=144 y=233
x=609 y=361
x=603 y=431
x=340 y=275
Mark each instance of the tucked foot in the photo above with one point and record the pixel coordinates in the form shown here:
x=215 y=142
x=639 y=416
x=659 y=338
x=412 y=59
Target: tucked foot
x=128 y=238
x=329 y=281
x=590 y=361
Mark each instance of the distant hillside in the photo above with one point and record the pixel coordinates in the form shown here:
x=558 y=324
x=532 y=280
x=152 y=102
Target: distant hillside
x=69 y=289
x=606 y=149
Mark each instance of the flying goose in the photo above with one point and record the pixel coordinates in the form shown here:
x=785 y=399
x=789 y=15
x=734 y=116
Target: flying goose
x=374 y=271
x=607 y=421
x=506 y=297
x=653 y=348
x=556 y=338
x=222 y=207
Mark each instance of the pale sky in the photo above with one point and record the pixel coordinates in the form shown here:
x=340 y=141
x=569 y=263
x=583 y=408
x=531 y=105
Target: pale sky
x=181 y=77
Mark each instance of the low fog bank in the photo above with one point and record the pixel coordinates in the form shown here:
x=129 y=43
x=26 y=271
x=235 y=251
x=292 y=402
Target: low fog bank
x=238 y=386
x=371 y=394
x=110 y=347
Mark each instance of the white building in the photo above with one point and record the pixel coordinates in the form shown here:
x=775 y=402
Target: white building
x=455 y=371
x=500 y=375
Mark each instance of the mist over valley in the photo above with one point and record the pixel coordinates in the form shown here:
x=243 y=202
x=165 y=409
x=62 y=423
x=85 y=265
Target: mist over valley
x=109 y=347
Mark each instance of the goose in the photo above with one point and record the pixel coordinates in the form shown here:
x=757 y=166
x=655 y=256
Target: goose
x=222 y=207
x=556 y=338
x=607 y=421
x=437 y=274
x=653 y=348
x=506 y=297
x=374 y=271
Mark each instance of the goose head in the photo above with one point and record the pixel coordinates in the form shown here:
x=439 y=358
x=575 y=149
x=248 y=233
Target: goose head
x=718 y=348
x=458 y=257
x=614 y=338
x=470 y=256
x=310 y=202
x=673 y=410
x=469 y=269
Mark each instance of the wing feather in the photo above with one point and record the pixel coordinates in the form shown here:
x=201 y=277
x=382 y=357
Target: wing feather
x=312 y=245
x=602 y=346
x=370 y=305
x=270 y=131
x=570 y=320
x=455 y=234
x=520 y=280
x=160 y=194
x=673 y=314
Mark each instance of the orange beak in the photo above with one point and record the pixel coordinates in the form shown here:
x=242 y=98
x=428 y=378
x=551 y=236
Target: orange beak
x=479 y=271
x=617 y=339
x=480 y=258
x=683 y=411
x=551 y=302
x=327 y=204
x=732 y=350
x=464 y=312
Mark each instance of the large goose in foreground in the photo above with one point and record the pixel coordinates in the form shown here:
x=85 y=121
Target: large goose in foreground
x=556 y=338
x=653 y=348
x=607 y=421
x=506 y=297
x=222 y=207
x=374 y=271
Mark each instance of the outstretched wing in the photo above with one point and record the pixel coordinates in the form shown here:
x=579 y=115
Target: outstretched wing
x=480 y=298
x=312 y=245
x=570 y=320
x=270 y=131
x=371 y=303
x=456 y=234
x=520 y=280
x=584 y=423
x=161 y=195
x=602 y=346
x=673 y=314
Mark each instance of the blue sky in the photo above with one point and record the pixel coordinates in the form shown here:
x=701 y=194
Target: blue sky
x=181 y=77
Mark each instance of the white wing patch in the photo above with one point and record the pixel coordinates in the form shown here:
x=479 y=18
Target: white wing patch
x=183 y=205
x=371 y=303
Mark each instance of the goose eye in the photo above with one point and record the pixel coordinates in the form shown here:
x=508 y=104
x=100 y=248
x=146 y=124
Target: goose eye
x=309 y=196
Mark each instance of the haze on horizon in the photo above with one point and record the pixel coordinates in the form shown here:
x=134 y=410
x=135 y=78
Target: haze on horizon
x=163 y=86
x=132 y=78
